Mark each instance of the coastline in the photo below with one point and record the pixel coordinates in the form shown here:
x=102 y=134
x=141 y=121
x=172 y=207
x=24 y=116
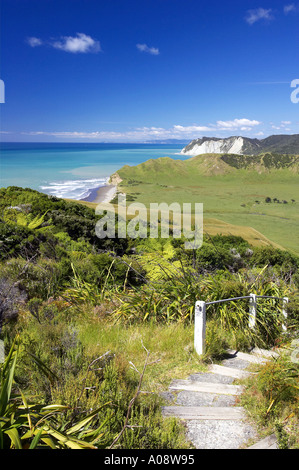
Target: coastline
x=101 y=194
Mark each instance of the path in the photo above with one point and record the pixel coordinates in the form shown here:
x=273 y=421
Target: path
x=207 y=403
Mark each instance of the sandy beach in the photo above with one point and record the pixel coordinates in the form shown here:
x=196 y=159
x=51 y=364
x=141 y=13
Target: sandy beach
x=102 y=194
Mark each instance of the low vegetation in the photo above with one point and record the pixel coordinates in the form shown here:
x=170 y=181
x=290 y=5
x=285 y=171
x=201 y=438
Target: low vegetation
x=266 y=160
x=271 y=398
x=94 y=329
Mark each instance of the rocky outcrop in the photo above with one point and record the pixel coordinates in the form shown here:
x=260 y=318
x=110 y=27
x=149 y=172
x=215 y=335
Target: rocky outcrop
x=286 y=144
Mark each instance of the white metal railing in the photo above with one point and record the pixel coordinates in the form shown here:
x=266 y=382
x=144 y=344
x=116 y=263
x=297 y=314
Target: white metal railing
x=200 y=316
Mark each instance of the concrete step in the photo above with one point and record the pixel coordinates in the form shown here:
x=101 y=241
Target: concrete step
x=236 y=363
x=229 y=371
x=269 y=442
x=204 y=412
x=207 y=403
x=265 y=353
x=251 y=358
x=211 y=377
x=219 y=433
x=194 y=386
x=187 y=398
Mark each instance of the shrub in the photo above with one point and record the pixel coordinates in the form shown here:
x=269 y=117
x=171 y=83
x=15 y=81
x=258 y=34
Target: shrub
x=17 y=241
x=10 y=299
x=230 y=242
x=275 y=257
x=209 y=257
x=42 y=278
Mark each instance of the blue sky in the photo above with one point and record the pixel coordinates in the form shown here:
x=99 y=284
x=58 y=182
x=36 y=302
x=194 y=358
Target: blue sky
x=140 y=70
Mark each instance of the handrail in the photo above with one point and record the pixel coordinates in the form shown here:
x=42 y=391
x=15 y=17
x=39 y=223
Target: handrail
x=244 y=297
x=270 y=297
x=200 y=316
x=226 y=300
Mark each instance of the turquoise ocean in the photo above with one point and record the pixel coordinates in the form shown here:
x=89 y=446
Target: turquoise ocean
x=73 y=170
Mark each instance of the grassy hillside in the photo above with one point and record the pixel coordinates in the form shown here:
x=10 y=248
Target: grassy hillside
x=232 y=188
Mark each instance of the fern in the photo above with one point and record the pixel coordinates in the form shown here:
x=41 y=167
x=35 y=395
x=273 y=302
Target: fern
x=24 y=220
x=36 y=222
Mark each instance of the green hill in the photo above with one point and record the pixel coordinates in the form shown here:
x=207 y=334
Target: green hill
x=233 y=189
x=211 y=164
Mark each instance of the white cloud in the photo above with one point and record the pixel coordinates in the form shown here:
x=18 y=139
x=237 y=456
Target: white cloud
x=283 y=125
x=34 y=42
x=258 y=14
x=243 y=124
x=81 y=43
x=188 y=129
x=141 y=134
x=149 y=50
x=288 y=8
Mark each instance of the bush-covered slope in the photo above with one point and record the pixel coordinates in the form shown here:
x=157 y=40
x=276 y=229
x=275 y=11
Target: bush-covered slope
x=85 y=316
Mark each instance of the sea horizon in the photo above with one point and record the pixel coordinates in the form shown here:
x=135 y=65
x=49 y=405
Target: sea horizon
x=74 y=170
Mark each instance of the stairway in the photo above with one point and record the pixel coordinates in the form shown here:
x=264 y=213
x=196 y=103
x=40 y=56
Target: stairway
x=206 y=402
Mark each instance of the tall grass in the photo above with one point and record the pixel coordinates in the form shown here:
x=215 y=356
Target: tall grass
x=170 y=345
x=172 y=299
x=91 y=377
x=271 y=398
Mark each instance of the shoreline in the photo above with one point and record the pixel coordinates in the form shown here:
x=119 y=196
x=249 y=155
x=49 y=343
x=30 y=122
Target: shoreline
x=101 y=194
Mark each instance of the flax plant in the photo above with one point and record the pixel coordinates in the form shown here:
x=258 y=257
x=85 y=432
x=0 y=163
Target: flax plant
x=29 y=425
x=82 y=291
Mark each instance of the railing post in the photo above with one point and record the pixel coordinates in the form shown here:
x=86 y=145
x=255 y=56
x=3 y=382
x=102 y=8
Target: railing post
x=200 y=327
x=284 y=310
x=252 y=310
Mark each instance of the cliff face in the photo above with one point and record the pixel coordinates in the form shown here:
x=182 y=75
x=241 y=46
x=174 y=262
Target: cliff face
x=115 y=179
x=238 y=145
